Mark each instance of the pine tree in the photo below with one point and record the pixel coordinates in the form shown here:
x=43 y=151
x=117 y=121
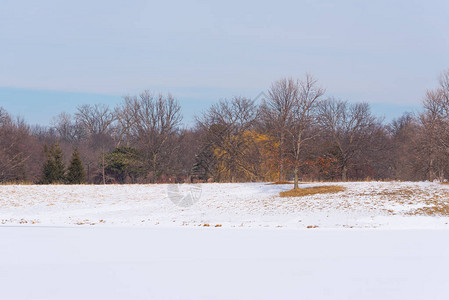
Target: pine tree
x=59 y=163
x=123 y=163
x=75 y=172
x=48 y=167
x=53 y=168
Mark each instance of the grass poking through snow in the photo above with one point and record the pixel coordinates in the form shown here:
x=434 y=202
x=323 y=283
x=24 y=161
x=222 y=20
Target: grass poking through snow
x=325 y=189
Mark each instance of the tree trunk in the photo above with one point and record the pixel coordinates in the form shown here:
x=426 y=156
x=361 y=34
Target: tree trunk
x=344 y=173
x=281 y=167
x=431 y=173
x=296 y=185
x=281 y=158
x=88 y=173
x=104 y=179
x=154 y=168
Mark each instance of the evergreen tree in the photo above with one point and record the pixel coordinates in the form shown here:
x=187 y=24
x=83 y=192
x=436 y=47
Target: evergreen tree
x=75 y=172
x=48 y=167
x=53 y=168
x=59 y=163
x=124 y=163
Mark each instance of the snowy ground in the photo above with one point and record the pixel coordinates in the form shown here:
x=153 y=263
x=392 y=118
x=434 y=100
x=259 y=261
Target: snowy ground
x=206 y=263
x=251 y=205
x=238 y=241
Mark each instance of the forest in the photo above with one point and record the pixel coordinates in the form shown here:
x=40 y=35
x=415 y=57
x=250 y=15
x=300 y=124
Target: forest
x=297 y=132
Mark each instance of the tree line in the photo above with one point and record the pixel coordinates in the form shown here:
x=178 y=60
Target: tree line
x=296 y=132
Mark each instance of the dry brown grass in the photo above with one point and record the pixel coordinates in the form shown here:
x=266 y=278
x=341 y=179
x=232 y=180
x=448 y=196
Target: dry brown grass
x=401 y=192
x=17 y=183
x=436 y=205
x=324 y=189
x=280 y=182
x=438 y=210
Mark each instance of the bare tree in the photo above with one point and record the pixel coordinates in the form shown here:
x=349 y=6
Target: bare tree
x=152 y=122
x=14 y=148
x=68 y=129
x=98 y=121
x=277 y=112
x=5 y=118
x=226 y=125
x=435 y=128
x=126 y=114
x=348 y=127
x=302 y=119
x=404 y=138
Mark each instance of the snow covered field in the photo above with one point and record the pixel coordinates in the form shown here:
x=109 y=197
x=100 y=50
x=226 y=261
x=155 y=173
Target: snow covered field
x=249 y=205
x=238 y=241
x=206 y=263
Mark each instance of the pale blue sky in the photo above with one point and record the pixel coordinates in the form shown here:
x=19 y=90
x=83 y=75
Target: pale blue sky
x=55 y=55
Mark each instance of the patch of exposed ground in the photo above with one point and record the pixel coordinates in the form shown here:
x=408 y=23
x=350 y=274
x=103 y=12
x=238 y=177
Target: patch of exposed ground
x=307 y=191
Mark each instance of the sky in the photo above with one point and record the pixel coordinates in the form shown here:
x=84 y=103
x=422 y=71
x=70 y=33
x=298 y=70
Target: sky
x=55 y=55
